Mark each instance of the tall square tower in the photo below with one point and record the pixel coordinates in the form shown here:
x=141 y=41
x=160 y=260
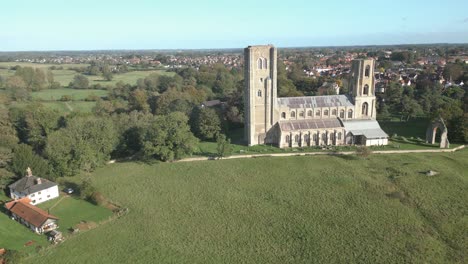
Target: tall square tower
x=260 y=75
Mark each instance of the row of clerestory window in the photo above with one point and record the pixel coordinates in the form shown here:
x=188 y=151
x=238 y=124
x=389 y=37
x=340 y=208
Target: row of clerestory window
x=318 y=112
x=314 y=137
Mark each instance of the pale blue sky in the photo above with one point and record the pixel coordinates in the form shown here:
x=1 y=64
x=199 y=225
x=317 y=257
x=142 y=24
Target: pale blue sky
x=178 y=24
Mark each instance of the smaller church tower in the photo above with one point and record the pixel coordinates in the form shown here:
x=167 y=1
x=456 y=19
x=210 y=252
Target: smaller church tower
x=362 y=88
x=260 y=93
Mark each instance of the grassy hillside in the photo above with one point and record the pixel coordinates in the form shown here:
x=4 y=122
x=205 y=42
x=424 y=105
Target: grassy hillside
x=281 y=210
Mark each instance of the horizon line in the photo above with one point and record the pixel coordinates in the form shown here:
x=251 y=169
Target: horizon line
x=210 y=49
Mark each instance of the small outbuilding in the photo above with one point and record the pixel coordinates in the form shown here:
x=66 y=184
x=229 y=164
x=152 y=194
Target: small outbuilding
x=31 y=216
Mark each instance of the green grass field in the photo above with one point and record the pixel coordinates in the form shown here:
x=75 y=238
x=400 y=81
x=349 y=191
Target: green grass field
x=65 y=76
x=64 y=107
x=72 y=210
x=76 y=94
x=320 y=209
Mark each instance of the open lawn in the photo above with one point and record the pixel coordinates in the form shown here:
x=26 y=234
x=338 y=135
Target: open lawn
x=312 y=209
x=76 y=94
x=64 y=107
x=72 y=210
x=65 y=76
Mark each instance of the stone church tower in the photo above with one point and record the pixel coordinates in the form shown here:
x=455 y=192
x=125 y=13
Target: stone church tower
x=362 y=89
x=260 y=95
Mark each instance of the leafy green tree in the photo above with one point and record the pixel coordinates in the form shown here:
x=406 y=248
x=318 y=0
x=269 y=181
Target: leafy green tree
x=17 y=89
x=85 y=143
x=205 y=123
x=86 y=188
x=168 y=138
x=8 y=141
x=138 y=101
x=453 y=72
x=223 y=146
x=410 y=108
x=34 y=124
x=107 y=73
x=25 y=157
x=79 y=82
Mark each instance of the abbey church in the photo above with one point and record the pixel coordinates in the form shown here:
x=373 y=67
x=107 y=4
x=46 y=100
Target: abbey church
x=309 y=120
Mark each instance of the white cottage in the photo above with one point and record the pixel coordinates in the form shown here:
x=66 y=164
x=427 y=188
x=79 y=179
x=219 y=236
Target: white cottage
x=37 y=189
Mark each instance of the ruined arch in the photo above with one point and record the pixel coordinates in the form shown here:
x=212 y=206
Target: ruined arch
x=431 y=133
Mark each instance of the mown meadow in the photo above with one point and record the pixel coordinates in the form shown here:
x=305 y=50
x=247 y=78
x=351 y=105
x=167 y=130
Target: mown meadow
x=312 y=209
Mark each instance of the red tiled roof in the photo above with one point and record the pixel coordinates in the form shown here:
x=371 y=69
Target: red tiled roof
x=30 y=213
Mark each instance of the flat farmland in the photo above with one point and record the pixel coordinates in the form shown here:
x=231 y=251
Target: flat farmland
x=65 y=76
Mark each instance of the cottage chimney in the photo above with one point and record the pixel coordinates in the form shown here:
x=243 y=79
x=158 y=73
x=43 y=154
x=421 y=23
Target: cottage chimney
x=29 y=172
x=38 y=181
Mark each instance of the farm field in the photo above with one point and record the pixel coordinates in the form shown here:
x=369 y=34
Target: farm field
x=76 y=94
x=64 y=107
x=321 y=209
x=65 y=76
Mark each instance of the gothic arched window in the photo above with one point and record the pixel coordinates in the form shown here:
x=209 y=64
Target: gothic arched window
x=296 y=138
x=259 y=93
x=339 y=135
x=301 y=114
x=365 y=108
x=341 y=113
x=332 y=136
x=314 y=137
x=350 y=113
x=325 y=113
x=287 y=138
x=283 y=115
x=309 y=113
x=366 y=89
x=265 y=64
x=293 y=114
x=334 y=112
x=367 y=73
x=317 y=113
x=260 y=63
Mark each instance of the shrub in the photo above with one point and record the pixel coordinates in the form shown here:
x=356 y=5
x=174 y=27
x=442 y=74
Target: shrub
x=98 y=199
x=65 y=98
x=363 y=151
